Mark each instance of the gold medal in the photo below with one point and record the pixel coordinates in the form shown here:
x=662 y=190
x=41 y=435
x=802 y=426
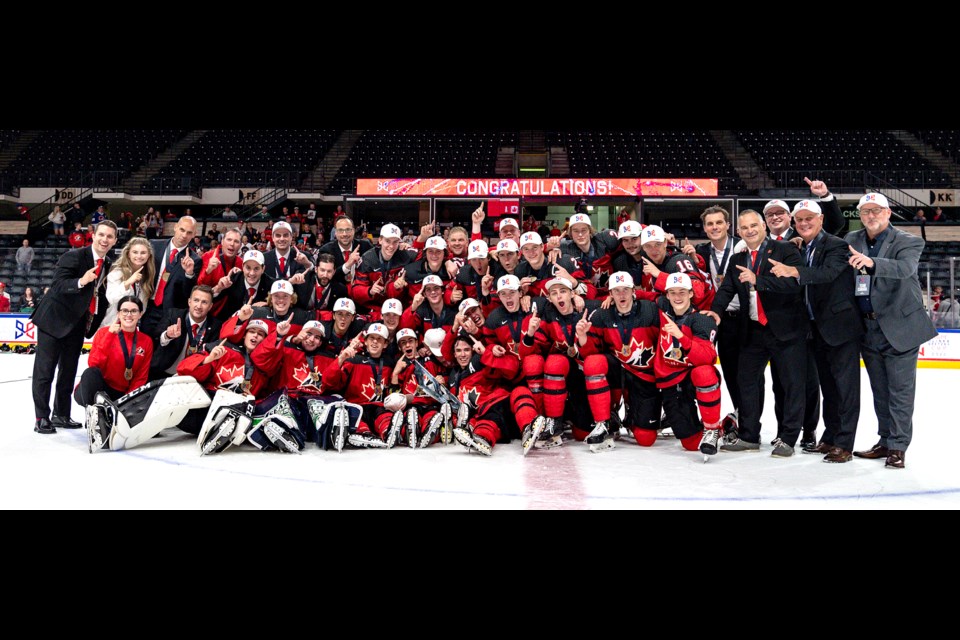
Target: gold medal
x=128 y=374
x=165 y=276
x=315 y=376
x=675 y=354
x=246 y=386
x=718 y=278
x=625 y=350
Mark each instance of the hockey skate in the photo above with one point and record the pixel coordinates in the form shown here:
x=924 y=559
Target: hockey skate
x=413 y=425
x=219 y=438
x=435 y=424
x=531 y=433
x=709 y=443
x=472 y=441
x=665 y=430
x=279 y=428
x=98 y=424
x=394 y=431
x=281 y=438
x=366 y=440
x=341 y=422
x=552 y=435
x=446 y=428
x=616 y=424
x=600 y=439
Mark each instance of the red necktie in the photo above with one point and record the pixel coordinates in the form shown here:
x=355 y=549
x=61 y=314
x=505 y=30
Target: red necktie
x=777 y=238
x=195 y=327
x=158 y=298
x=94 y=300
x=761 y=316
x=251 y=292
x=283 y=266
x=346 y=256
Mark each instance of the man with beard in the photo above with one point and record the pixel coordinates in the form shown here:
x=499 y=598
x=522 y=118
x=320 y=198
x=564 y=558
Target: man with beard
x=346 y=249
x=326 y=289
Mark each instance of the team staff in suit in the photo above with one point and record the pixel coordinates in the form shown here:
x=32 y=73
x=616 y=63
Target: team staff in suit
x=345 y=249
x=778 y=218
x=183 y=332
x=773 y=326
x=177 y=265
x=72 y=309
x=896 y=323
x=325 y=290
x=836 y=327
x=285 y=261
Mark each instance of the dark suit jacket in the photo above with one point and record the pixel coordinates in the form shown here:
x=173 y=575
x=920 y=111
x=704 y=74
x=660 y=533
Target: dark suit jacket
x=829 y=283
x=237 y=294
x=333 y=292
x=271 y=268
x=66 y=305
x=176 y=293
x=334 y=249
x=786 y=314
x=833 y=221
x=164 y=357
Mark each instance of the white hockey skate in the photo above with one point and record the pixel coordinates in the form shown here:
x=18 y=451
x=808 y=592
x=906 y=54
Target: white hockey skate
x=531 y=433
x=600 y=438
x=709 y=443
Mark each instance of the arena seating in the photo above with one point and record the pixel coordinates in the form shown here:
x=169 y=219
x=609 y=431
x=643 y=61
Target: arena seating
x=945 y=141
x=839 y=158
x=231 y=157
x=679 y=154
x=428 y=154
x=58 y=156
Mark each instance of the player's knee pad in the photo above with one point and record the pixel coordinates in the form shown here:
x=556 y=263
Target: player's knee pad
x=692 y=443
x=645 y=437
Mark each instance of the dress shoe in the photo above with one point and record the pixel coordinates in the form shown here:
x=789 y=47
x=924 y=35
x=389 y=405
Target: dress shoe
x=876 y=452
x=809 y=439
x=65 y=422
x=821 y=448
x=895 y=459
x=43 y=426
x=838 y=455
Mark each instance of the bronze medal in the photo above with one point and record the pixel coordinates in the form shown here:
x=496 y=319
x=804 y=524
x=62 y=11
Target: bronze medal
x=625 y=350
x=165 y=276
x=128 y=374
x=246 y=386
x=718 y=279
x=315 y=376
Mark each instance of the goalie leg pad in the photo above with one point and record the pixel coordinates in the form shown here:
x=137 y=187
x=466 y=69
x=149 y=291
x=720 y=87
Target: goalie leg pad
x=145 y=412
x=228 y=421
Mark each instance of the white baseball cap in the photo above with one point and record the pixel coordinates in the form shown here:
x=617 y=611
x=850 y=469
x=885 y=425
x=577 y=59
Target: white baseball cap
x=580 y=218
x=530 y=237
x=433 y=340
x=282 y=225
x=477 y=249
x=281 y=286
x=407 y=333
x=629 y=229
x=652 y=233
x=436 y=242
x=874 y=198
x=678 y=280
x=432 y=280
x=377 y=329
x=507 y=245
x=258 y=325
x=508 y=222
x=807 y=205
x=776 y=203
x=558 y=281
x=390 y=305
x=620 y=279
x=511 y=283
x=467 y=304
x=390 y=231
x=254 y=255
x=345 y=304
x=315 y=326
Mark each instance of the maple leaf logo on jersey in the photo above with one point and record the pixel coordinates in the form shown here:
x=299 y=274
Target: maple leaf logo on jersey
x=226 y=374
x=636 y=354
x=302 y=375
x=370 y=391
x=512 y=348
x=471 y=396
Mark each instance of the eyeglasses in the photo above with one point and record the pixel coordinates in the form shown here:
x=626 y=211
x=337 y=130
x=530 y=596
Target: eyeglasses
x=871 y=212
x=350 y=230
x=775 y=214
x=129 y=312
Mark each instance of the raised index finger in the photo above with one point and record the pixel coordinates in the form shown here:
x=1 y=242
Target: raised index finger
x=807 y=180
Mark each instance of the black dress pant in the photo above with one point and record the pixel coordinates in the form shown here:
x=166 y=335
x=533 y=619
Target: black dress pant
x=90 y=383
x=811 y=412
x=839 y=369
x=55 y=354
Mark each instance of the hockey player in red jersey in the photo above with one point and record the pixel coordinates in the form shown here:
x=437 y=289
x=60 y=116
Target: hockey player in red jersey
x=279 y=308
x=685 y=369
x=428 y=311
x=467 y=282
x=661 y=260
x=362 y=379
x=424 y=417
x=379 y=269
x=227 y=362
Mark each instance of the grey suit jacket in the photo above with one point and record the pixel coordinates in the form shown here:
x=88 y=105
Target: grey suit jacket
x=895 y=293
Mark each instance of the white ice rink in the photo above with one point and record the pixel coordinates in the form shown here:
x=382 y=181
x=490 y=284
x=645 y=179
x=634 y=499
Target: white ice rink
x=56 y=472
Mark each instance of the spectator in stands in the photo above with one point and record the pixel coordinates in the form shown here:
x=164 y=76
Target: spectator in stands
x=28 y=301
x=154 y=224
x=77 y=237
x=4 y=298
x=338 y=213
x=938 y=215
x=245 y=244
x=25 y=258
x=307 y=237
x=294 y=220
x=936 y=297
x=170 y=215
x=408 y=236
x=544 y=231
x=311 y=214
x=24 y=211
x=554 y=231
x=285 y=214
x=77 y=214
x=229 y=214
x=264 y=212
x=57 y=218
x=98 y=216
x=197 y=244
x=922 y=221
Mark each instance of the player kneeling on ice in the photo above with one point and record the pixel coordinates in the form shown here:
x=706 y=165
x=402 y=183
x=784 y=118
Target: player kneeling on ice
x=123 y=410
x=362 y=379
x=684 y=364
x=424 y=415
x=227 y=371
x=488 y=413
